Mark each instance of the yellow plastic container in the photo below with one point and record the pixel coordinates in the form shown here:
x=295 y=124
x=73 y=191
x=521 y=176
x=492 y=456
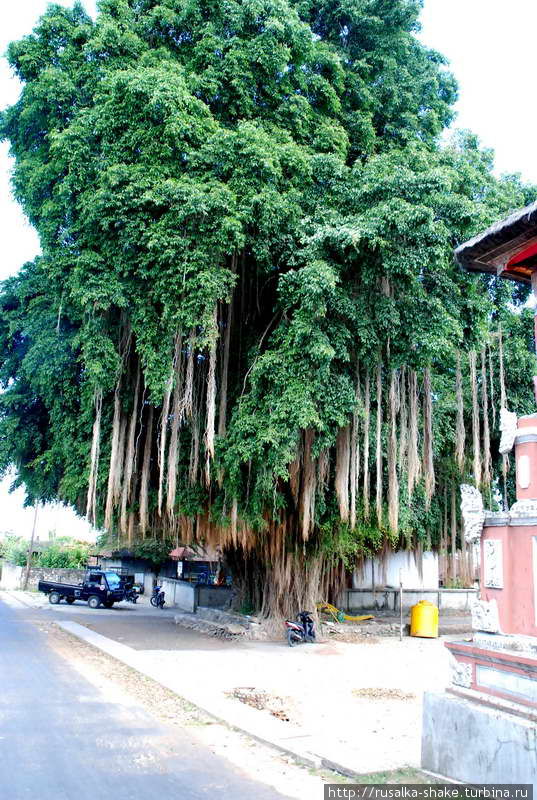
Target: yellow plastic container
x=424 y=620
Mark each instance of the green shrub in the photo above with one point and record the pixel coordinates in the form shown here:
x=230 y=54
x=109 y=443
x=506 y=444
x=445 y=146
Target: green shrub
x=66 y=553
x=14 y=550
x=63 y=556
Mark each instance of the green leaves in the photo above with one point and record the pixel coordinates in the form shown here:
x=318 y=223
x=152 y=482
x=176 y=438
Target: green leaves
x=263 y=177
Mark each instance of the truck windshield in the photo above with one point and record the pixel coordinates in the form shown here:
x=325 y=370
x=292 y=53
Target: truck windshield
x=113 y=580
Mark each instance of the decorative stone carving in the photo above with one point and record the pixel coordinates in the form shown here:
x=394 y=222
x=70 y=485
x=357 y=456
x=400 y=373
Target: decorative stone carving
x=523 y=508
x=493 y=563
x=508 y=423
x=514 y=643
x=496 y=518
x=461 y=673
x=473 y=514
x=485 y=616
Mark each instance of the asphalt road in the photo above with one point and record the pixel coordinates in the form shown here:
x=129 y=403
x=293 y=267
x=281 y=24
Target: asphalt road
x=63 y=739
x=139 y=626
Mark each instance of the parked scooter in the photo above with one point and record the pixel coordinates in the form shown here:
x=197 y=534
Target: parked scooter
x=131 y=595
x=157 y=598
x=303 y=630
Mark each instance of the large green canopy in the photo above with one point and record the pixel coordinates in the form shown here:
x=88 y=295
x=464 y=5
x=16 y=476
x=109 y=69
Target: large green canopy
x=246 y=326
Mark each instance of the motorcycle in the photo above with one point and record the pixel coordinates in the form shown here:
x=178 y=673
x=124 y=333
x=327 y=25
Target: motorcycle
x=131 y=595
x=157 y=598
x=303 y=630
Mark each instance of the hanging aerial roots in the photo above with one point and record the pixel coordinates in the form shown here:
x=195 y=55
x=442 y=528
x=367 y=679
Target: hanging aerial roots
x=428 y=457
x=475 y=419
x=393 y=483
x=378 y=496
x=413 y=466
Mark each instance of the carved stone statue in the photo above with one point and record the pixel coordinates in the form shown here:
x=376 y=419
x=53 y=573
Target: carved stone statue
x=473 y=514
x=485 y=616
x=461 y=673
x=508 y=423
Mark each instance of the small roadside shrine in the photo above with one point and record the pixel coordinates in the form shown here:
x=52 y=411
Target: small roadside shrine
x=483 y=728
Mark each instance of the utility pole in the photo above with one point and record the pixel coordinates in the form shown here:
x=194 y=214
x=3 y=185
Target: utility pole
x=400 y=605
x=30 y=549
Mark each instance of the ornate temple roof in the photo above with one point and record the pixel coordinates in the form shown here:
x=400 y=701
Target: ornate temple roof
x=508 y=248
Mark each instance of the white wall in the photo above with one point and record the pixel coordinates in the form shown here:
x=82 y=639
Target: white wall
x=11 y=576
x=388 y=570
x=179 y=594
x=149 y=579
x=354 y=600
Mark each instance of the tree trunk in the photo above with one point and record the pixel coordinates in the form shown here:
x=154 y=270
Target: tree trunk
x=367 y=425
x=393 y=483
x=116 y=429
x=91 y=507
x=144 y=478
x=308 y=487
x=30 y=550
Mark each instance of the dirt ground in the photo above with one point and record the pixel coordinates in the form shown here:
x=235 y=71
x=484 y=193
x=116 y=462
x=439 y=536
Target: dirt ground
x=358 y=703
x=257 y=760
x=323 y=681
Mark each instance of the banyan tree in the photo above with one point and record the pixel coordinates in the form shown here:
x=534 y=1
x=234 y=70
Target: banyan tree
x=246 y=327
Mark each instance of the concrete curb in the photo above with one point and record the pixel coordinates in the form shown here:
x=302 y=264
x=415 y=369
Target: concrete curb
x=271 y=732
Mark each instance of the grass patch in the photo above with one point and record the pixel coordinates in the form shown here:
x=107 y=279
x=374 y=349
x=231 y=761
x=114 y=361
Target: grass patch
x=393 y=776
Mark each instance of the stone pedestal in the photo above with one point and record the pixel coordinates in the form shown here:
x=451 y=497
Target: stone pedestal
x=491 y=706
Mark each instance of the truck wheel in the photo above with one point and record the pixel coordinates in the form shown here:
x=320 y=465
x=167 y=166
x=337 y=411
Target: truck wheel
x=94 y=601
x=54 y=598
x=70 y=600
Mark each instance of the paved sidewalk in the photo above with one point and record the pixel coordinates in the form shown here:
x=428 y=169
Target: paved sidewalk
x=330 y=724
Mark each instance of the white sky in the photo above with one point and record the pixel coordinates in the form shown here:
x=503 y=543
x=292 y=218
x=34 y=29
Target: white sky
x=490 y=46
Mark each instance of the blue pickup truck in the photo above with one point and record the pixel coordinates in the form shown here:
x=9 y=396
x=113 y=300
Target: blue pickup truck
x=99 y=588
